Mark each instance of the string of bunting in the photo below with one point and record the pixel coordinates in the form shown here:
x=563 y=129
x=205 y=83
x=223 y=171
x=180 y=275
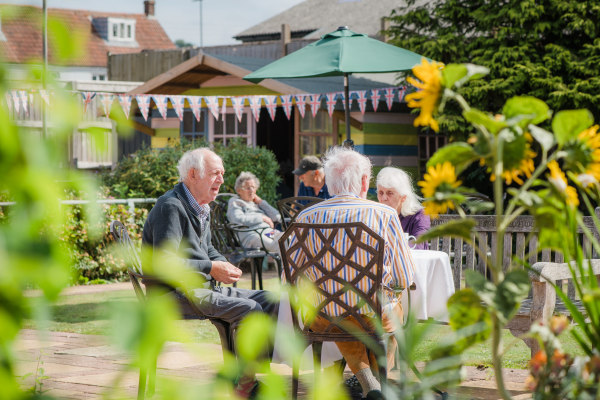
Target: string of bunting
x=18 y=100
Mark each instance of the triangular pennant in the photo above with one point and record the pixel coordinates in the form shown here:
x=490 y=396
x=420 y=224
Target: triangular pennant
x=401 y=91
x=87 y=99
x=315 y=103
x=16 y=101
x=375 y=99
x=125 y=101
x=161 y=104
x=255 y=105
x=301 y=104
x=143 y=102
x=24 y=100
x=223 y=108
x=195 y=103
x=238 y=106
x=362 y=100
x=212 y=102
x=286 y=103
x=45 y=97
x=106 y=99
x=178 y=104
x=330 y=100
x=271 y=102
x=389 y=97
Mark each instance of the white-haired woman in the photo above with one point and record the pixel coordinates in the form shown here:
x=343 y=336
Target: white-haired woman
x=395 y=189
x=250 y=210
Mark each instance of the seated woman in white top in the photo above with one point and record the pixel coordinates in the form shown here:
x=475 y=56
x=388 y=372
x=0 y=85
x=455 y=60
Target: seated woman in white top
x=250 y=210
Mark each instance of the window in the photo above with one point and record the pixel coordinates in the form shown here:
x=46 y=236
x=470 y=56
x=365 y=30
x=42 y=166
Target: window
x=191 y=128
x=316 y=134
x=121 y=30
x=229 y=127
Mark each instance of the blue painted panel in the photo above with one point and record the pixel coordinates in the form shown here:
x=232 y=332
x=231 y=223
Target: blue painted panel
x=386 y=150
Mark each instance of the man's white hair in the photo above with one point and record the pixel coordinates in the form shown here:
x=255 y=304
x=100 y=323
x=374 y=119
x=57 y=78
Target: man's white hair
x=401 y=182
x=193 y=159
x=344 y=169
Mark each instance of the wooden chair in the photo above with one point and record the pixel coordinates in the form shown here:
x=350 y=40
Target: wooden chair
x=301 y=260
x=291 y=206
x=226 y=241
x=154 y=286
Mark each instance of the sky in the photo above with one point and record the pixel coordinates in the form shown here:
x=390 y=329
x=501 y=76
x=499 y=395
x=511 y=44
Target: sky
x=221 y=19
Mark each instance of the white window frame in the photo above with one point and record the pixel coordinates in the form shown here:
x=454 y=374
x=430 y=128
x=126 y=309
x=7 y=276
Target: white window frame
x=122 y=26
x=250 y=135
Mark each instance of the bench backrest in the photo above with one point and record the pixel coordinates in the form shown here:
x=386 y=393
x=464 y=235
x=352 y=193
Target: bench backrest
x=463 y=257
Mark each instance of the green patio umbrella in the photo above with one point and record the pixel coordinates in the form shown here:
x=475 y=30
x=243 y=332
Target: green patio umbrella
x=341 y=52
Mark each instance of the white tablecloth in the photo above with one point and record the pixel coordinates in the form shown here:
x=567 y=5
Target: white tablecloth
x=433 y=278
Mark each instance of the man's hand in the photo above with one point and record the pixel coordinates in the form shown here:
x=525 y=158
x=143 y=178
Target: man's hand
x=225 y=272
x=269 y=221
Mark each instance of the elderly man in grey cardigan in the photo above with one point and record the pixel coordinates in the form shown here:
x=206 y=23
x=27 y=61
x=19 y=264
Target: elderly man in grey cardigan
x=248 y=209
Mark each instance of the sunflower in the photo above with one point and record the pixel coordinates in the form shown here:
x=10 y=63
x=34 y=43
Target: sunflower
x=590 y=141
x=428 y=97
x=558 y=179
x=438 y=179
x=517 y=160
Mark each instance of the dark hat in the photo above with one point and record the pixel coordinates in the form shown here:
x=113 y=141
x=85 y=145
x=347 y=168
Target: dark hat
x=308 y=163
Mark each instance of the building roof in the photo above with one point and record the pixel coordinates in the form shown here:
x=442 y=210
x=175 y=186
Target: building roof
x=23 y=36
x=315 y=18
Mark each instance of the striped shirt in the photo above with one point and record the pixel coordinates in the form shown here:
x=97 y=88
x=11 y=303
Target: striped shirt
x=200 y=211
x=382 y=219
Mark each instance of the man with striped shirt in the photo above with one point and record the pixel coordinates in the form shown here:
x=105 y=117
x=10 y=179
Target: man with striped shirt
x=347 y=174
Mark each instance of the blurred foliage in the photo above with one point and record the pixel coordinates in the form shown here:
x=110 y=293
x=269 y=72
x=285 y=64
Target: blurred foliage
x=149 y=173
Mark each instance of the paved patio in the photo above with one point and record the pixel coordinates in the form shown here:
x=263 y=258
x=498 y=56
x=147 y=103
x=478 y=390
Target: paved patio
x=86 y=366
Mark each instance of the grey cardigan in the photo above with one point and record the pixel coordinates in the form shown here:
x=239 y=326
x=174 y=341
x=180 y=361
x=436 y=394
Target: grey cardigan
x=172 y=220
x=251 y=215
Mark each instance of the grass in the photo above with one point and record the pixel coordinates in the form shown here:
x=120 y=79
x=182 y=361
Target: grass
x=90 y=314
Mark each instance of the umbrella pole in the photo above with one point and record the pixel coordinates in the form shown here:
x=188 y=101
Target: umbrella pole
x=348 y=143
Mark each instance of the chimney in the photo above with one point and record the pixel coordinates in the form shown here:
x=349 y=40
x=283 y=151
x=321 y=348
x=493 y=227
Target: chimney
x=149 y=8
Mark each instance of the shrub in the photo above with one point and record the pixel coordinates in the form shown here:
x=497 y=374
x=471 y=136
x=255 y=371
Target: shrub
x=151 y=172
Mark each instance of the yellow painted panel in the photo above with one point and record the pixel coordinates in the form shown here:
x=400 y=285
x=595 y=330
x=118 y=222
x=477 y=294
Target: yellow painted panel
x=162 y=142
x=168 y=133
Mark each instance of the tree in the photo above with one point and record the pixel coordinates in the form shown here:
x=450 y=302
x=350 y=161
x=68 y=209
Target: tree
x=549 y=49
x=182 y=43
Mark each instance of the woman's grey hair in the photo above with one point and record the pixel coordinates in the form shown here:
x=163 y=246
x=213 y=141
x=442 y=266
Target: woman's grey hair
x=192 y=159
x=245 y=176
x=401 y=182
x=344 y=169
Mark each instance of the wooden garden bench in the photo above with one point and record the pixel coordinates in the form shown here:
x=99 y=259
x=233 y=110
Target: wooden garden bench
x=547 y=265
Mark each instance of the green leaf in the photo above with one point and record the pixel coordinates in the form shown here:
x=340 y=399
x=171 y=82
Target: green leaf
x=542 y=136
x=511 y=291
x=453 y=73
x=478 y=117
x=484 y=288
x=460 y=155
x=567 y=124
x=460 y=228
x=465 y=309
x=526 y=109
x=254 y=336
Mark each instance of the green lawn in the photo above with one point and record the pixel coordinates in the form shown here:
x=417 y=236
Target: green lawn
x=89 y=313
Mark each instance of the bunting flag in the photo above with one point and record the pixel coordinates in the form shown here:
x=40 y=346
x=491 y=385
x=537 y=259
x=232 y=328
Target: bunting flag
x=178 y=105
x=161 y=104
x=44 y=95
x=143 y=102
x=362 y=100
x=238 y=106
x=255 y=105
x=401 y=91
x=389 y=97
x=271 y=103
x=24 y=100
x=301 y=104
x=212 y=102
x=315 y=103
x=195 y=103
x=16 y=101
x=125 y=102
x=87 y=99
x=224 y=109
x=8 y=102
x=286 y=103
x=106 y=99
x=331 y=99
x=375 y=99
